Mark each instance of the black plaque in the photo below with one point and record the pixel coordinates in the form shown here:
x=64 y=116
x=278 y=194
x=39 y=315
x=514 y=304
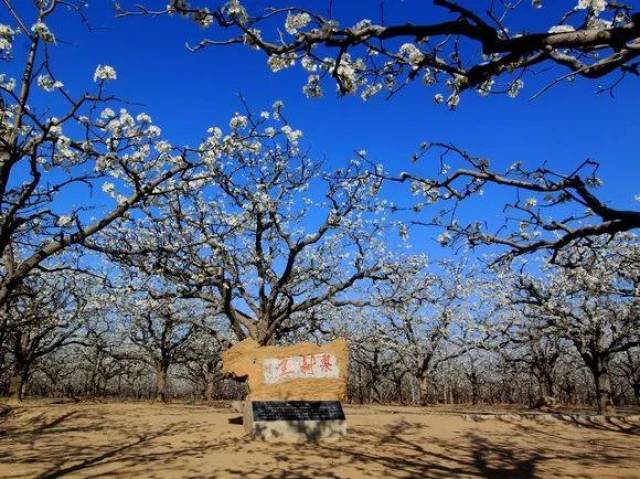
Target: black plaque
x=297 y=410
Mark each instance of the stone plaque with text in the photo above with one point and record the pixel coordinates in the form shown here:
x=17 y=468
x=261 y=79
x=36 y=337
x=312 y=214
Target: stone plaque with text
x=297 y=410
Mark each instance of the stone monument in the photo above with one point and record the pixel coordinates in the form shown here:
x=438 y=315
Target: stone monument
x=294 y=391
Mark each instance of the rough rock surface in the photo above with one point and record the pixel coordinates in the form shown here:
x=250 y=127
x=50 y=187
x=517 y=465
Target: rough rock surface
x=303 y=371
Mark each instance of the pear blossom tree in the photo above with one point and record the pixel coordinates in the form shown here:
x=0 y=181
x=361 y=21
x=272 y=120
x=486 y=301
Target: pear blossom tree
x=375 y=364
x=627 y=367
x=459 y=48
x=249 y=239
x=536 y=220
x=46 y=314
x=428 y=316
x=203 y=367
x=477 y=365
x=465 y=48
x=540 y=355
x=66 y=145
x=56 y=370
x=591 y=301
x=97 y=363
x=157 y=332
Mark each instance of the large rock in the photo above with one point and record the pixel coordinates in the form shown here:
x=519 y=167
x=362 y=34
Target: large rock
x=303 y=371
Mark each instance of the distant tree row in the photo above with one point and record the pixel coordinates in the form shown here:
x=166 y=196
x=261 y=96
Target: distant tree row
x=447 y=332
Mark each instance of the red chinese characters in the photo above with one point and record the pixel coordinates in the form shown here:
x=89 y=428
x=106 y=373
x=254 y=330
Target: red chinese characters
x=283 y=367
x=325 y=363
x=308 y=362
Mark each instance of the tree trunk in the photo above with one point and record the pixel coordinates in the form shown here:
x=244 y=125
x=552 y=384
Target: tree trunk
x=209 y=389
x=546 y=390
x=475 y=392
x=18 y=381
x=602 y=380
x=423 y=387
x=262 y=334
x=161 y=382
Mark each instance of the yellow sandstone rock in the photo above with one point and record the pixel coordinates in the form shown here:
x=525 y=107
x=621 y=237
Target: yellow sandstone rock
x=303 y=371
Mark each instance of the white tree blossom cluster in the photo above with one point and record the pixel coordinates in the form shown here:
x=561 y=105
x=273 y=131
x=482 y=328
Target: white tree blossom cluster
x=529 y=224
x=589 y=303
x=84 y=140
x=238 y=234
x=472 y=49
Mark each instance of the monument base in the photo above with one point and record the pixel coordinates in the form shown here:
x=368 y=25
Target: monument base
x=294 y=421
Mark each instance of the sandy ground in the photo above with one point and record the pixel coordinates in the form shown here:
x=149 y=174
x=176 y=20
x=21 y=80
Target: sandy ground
x=124 y=440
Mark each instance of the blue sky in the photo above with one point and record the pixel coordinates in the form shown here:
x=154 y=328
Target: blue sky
x=185 y=93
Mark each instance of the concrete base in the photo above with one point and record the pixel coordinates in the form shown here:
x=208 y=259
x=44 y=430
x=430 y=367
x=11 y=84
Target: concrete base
x=292 y=431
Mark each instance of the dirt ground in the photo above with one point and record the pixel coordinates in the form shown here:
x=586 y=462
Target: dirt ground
x=124 y=440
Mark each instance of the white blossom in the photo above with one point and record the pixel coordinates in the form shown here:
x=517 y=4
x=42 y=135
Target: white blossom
x=428 y=78
x=370 y=91
x=153 y=131
x=143 y=118
x=362 y=24
x=108 y=187
x=444 y=238
x=238 y=121
x=107 y=113
x=282 y=61
x=291 y=134
x=295 y=22
x=163 y=146
x=64 y=221
x=309 y=64
x=9 y=84
x=595 y=5
x=515 y=88
x=312 y=89
x=561 y=29
x=485 y=88
x=411 y=53
x=41 y=30
x=48 y=84
x=203 y=17
x=7 y=35
x=453 y=101
x=104 y=72
x=235 y=10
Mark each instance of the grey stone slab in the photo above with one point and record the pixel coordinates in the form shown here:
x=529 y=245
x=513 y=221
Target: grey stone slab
x=293 y=430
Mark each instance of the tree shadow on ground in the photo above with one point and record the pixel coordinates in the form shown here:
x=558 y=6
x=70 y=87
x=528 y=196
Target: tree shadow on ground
x=603 y=423
x=409 y=450
x=53 y=446
x=83 y=442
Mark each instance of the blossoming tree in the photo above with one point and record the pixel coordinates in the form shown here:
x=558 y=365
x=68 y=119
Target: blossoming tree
x=45 y=316
x=463 y=49
x=246 y=237
x=534 y=221
x=68 y=144
x=479 y=47
x=591 y=301
x=428 y=316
